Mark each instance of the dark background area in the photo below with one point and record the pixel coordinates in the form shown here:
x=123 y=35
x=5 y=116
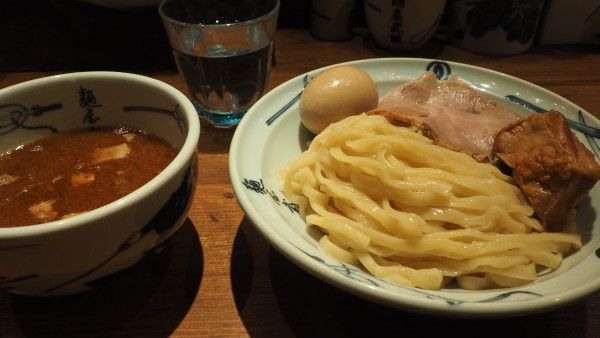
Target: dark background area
x=70 y=35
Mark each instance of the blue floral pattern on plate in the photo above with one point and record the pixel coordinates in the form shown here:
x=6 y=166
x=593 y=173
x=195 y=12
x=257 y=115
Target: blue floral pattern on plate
x=252 y=185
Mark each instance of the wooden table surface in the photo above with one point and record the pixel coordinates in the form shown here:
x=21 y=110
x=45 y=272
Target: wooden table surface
x=219 y=278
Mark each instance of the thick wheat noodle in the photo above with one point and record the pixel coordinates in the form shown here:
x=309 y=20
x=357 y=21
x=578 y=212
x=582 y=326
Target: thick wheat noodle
x=414 y=213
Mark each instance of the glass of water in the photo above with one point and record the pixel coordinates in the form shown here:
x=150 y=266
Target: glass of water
x=223 y=51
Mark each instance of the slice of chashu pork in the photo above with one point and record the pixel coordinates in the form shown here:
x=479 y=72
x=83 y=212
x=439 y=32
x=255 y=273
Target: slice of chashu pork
x=551 y=166
x=450 y=112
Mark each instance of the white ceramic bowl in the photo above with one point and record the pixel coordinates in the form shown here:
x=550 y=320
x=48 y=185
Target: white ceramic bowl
x=81 y=253
x=271 y=134
x=403 y=25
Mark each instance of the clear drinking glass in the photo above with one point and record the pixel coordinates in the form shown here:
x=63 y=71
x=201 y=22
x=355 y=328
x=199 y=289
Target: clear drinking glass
x=223 y=51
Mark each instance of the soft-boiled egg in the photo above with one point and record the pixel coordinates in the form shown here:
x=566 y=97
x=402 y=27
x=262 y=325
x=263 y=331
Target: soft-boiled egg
x=335 y=94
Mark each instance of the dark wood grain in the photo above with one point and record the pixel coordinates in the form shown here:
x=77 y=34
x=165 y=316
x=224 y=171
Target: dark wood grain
x=219 y=278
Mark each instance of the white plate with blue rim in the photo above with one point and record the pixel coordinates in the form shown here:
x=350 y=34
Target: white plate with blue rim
x=271 y=134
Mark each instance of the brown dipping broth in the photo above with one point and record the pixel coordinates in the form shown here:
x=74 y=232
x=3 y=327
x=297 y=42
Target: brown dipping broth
x=62 y=172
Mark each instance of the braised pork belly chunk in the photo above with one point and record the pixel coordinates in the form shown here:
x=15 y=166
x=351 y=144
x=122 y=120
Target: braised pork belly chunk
x=450 y=112
x=551 y=166
x=553 y=169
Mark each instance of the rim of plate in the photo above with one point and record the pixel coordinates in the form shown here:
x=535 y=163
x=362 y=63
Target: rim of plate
x=428 y=302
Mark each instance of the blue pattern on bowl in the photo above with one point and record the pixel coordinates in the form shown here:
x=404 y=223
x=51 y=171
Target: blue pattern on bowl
x=165 y=222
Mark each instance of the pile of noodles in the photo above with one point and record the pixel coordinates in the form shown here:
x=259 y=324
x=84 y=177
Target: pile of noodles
x=417 y=214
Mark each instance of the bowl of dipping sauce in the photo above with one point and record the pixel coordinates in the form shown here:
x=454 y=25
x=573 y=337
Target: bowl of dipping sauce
x=97 y=170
